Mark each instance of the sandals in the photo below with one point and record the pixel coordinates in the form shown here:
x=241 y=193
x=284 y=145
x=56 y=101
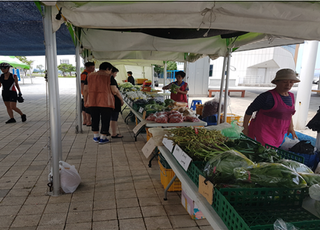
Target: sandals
x=117 y=136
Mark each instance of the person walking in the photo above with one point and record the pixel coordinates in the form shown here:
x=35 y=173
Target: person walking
x=90 y=66
x=118 y=103
x=98 y=96
x=130 y=78
x=9 y=83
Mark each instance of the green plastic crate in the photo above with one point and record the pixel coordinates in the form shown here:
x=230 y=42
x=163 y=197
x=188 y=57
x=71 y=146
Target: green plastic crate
x=195 y=169
x=286 y=155
x=259 y=208
x=163 y=161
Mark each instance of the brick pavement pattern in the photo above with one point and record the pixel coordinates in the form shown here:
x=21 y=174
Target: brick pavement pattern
x=118 y=190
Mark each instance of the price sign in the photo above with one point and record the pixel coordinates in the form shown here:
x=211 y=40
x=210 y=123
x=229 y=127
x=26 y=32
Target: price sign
x=139 y=126
x=206 y=189
x=149 y=147
x=167 y=143
x=141 y=110
x=183 y=158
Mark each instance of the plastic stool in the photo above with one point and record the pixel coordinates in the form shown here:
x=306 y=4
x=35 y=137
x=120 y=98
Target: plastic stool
x=193 y=104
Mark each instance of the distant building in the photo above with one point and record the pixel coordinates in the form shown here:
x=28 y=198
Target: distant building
x=64 y=61
x=254 y=67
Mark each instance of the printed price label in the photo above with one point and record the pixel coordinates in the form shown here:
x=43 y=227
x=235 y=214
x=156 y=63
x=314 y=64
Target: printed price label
x=149 y=147
x=167 y=143
x=139 y=126
x=141 y=110
x=183 y=158
x=206 y=189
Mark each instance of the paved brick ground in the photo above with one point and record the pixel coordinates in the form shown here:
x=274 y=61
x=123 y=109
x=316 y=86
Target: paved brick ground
x=118 y=189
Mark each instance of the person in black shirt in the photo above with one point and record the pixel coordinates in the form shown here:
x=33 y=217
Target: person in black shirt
x=9 y=83
x=118 y=103
x=130 y=77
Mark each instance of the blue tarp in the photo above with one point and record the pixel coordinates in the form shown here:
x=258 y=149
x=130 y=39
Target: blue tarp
x=21 y=31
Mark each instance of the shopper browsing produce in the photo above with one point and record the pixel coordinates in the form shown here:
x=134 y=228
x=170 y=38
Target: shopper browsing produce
x=179 y=88
x=274 y=110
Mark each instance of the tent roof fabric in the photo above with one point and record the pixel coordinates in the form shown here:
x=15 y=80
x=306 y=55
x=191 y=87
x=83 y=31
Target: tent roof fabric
x=22 y=31
x=289 y=19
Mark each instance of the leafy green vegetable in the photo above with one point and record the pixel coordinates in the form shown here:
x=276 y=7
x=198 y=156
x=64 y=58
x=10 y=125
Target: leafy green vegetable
x=200 y=144
x=270 y=175
x=311 y=178
x=219 y=169
x=296 y=166
x=168 y=102
x=173 y=88
x=253 y=150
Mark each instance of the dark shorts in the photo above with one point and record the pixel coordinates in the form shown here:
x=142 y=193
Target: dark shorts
x=9 y=96
x=87 y=110
x=114 y=116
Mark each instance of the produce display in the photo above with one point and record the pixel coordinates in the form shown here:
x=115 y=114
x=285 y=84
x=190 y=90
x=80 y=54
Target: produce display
x=157 y=109
x=219 y=169
x=270 y=175
x=240 y=162
x=199 y=143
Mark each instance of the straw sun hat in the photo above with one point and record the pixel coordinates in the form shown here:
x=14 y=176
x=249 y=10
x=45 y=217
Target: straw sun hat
x=285 y=74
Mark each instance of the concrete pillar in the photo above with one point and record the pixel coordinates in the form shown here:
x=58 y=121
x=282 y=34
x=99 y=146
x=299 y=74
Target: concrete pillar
x=305 y=85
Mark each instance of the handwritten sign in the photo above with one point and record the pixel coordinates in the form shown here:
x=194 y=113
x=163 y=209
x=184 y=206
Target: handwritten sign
x=183 y=158
x=149 y=147
x=167 y=143
x=141 y=110
x=139 y=126
x=206 y=189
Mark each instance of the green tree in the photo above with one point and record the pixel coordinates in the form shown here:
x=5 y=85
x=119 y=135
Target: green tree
x=66 y=68
x=40 y=68
x=171 y=65
x=26 y=61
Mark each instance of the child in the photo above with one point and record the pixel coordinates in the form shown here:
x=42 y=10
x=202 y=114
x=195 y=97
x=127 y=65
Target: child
x=181 y=95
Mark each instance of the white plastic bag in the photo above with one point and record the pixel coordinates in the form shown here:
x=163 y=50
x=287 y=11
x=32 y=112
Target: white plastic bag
x=279 y=224
x=317 y=171
x=288 y=143
x=69 y=177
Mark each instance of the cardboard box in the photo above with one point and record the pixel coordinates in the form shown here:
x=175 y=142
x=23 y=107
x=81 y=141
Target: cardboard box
x=191 y=206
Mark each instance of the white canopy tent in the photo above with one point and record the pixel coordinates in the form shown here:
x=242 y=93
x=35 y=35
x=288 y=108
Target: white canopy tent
x=267 y=22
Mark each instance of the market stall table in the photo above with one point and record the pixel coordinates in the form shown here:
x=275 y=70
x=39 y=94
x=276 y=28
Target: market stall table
x=207 y=210
x=152 y=124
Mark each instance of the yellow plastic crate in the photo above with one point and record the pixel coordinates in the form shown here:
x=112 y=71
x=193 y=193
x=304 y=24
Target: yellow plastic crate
x=230 y=117
x=166 y=176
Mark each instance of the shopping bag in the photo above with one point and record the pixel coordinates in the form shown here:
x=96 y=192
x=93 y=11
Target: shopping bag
x=69 y=177
x=289 y=143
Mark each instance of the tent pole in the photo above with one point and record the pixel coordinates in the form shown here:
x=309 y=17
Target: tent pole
x=78 y=91
x=165 y=73
x=56 y=85
x=54 y=100
x=305 y=85
x=152 y=77
x=225 y=108
x=221 y=88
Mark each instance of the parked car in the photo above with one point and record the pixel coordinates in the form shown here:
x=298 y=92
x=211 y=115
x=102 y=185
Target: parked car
x=315 y=80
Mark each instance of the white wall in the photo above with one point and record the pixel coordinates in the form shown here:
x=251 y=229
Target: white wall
x=197 y=77
x=253 y=67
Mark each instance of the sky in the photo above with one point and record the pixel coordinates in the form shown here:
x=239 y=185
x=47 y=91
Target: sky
x=40 y=60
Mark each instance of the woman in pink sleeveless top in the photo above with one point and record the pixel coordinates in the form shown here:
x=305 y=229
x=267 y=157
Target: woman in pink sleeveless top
x=274 y=110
